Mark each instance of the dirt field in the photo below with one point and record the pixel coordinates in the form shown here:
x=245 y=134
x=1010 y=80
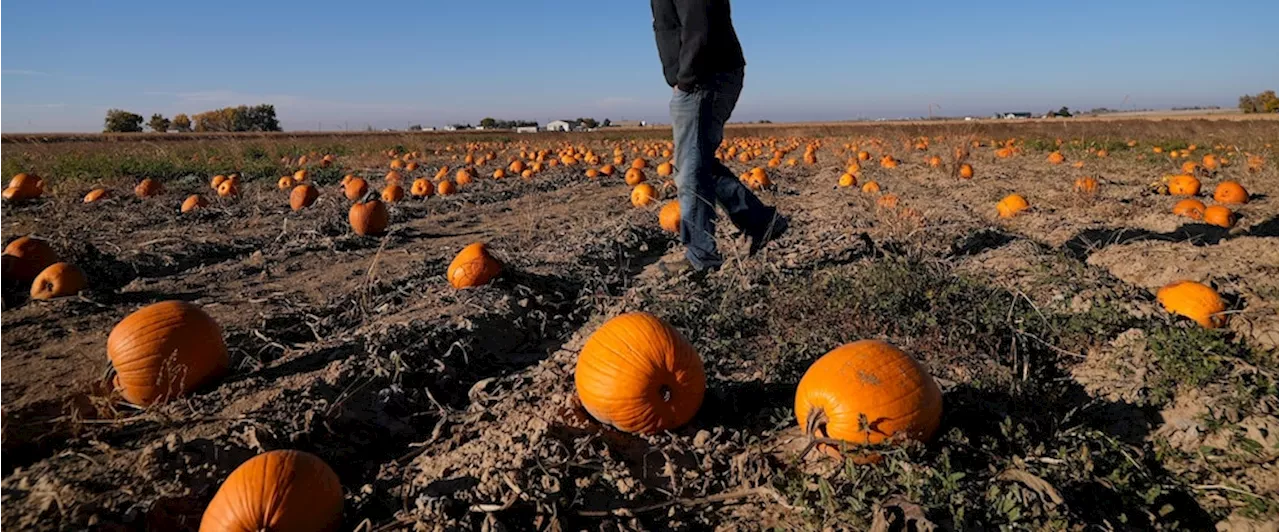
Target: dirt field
x=1071 y=398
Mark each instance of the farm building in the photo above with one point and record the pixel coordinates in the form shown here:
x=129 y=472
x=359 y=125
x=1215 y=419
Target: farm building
x=629 y=123
x=559 y=125
x=527 y=129
x=1014 y=115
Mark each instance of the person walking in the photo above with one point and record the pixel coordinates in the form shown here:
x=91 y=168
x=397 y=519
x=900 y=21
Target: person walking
x=703 y=63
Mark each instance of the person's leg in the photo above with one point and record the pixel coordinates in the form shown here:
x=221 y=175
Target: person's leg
x=745 y=210
x=694 y=177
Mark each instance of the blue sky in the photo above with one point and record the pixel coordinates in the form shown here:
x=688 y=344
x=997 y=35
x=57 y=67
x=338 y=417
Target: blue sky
x=391 y=63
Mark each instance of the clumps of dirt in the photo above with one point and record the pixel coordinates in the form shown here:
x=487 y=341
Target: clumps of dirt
x=1116 y=371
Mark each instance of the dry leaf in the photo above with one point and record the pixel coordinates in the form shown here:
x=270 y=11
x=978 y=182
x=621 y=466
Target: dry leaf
x=897 y=514
x=1033 y=483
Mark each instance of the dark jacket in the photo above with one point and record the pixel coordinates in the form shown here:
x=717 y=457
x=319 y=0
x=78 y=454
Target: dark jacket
x=695 y=40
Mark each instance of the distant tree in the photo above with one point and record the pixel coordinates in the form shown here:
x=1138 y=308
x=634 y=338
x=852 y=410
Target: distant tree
x=181 y=122
x=764 y=121
x=260 y=118
x=415 y=127
x=158 y=123
x=488 y=122
x=606 y=123
x=1248 y=104
x=1270 y=103
x=589 y=123
x=121 y=121
x=1263 y=102
x=1064 y=112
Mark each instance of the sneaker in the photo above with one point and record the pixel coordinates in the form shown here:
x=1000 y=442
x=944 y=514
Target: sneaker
x=778 y=225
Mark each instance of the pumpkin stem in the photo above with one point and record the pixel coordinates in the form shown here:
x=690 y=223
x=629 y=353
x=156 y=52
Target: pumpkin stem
x=816 y=428
x=664 y=391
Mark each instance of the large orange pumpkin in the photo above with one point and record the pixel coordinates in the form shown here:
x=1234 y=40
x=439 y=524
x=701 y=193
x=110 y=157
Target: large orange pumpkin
x=665 y=169
x=279 y=491
x=669 y=217
x=639 y=374
x=24 y=187
x=303 y=196
x=1194 y=300
x=1011 y=205
x=58 y=280
x=643 y=195
x=165 y=350
x=867 y=392
x=1184 y=185
x=29 y=257
x=356 y=188
x=1230 y=192
x=634 y=176
x=1219 y=216
x=1190 y=207
x=393 y=193
x=368 y=218
x=473 y=266
x=421 y=188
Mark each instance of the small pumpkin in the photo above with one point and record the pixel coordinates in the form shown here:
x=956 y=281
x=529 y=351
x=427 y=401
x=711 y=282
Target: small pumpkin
x=285 y=183
x=592 y=173
x=499 y=173
x=934 y=161
x=665 y=169
x=300 y=176
x=1194 y=300
x=634 y=176
x=1086 y=185
x=446 y=188
x=887 y=201
x=643 y=194
x=639 y=163
x=966 y=171
x=1056 y=157
x=1011 y=205
x=871 y=187
x=95 y=195
x=193 y=202
x=393 y=193
x=29 y=256
x=165 y=350
x=58 y=280
x=463 y=177
x=147 y=188
x=888 y=162
x=639 y=374
x=867 y=392
x=1190 y=207
x=281 y=491
x=864 y=156
x=356 y=188
x=397 y=164
x=473 y=266
x=1184 y=185
x=1230 y=192
x=848 y=180
x=1219 y=216
x=303 y=196
x=669 y=217
x=369 y=218
x=393 y=177
x=421 y=188
x=228 y=188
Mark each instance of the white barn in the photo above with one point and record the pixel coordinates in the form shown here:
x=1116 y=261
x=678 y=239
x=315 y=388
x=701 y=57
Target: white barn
x=559 y=125
x=527 y=129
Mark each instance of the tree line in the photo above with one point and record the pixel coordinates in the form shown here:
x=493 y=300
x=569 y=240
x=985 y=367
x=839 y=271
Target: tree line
x=242 y=118
x=1263 y=102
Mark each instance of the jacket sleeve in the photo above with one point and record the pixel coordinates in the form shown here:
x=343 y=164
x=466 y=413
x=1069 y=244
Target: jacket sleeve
x=695 y=34
x=666 y=29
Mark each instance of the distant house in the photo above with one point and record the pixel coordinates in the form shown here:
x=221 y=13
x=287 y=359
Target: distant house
x=629 y=123
x=527 y=129
x=559 y=125
x=1014 y=115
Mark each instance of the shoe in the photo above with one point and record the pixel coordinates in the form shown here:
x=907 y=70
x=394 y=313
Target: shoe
x=778 y=225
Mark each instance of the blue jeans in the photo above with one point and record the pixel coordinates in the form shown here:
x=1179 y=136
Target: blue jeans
x=697 y=120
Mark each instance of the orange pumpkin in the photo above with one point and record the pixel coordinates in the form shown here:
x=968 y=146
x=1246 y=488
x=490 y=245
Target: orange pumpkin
x=607 y=170
x=1184 y=185
x=356 y=188
x=1194 y=300
x=228 y=189
x=592 y=173
x=397 y=164
x=1219 y=216
x=24 y=187
x=303 y=196
x=864 y=156
x=669 y=217
x=665 y=169
x=165 y=350
x=871 y=187
x=446 y=188
x=935 y=161
x=1230 y=192
x=1210 y=161
x=1086 y=185
x=887 y=201
x=1190 y=207
x=867 y=392
x=443 y=171
x=639 y=374
x=300 y=176
x=95 y=195
x=284 y=183
x=634 y=176
x=281 y=491
x=393 y=177
x=58 y=280
x=499 y=173
x=966 y=171
x=473 y=266
x=463 y=177
x=639 y=163
x=1011 y=205
x=888 y=162
x=368 y=218
x=421 y=188
x=848 y=180
x=757 y=179
x=393 y=193
x=1056 y=158
x=193 y=202
x=643 y=194
x=147 y=188
x=29 y=256
x=1190 y=167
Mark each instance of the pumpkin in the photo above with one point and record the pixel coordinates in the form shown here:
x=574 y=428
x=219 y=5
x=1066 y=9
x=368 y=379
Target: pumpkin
x=864 y=156
x=639 y=374
x=1219 y=216
x=228 y=189
x=463 y=177
x=95 y=195
x=29 y=256
x=421 y=188
x=1190 y=207
x=887 y=201
x=669 y=217
x=867 y=392
x=194 y=202
x=643 y=194
x=147 y=188
x=356 y=188
x=280 y=491
x=1184 y=185
x=639 y=163
x=303 y=196
x=1190 y=167
x=1230 y=192
x=165 y=350
x=1194 y=300
x=634 y=176
x=757 y=179
x=1056 y=158
x=1004 y=153
x=393 y=177
x=607 y=170
x=499 y=173
x=473 y=266
x=443 y=171
x=517 y=166
x=285 y=183
x=393 y=193
x=1011 y=205
x=446 y=188
x=1210 y=161
x=368 y=218
x=966 y=171
x=871 y=187
x=58 y=280
x=24 y=187
x=302 y=160
x=934 y=161
x=397 y=164
x=1086 y=185
x=665 y=169
x=592 y=173
x=848 y=180
x=1103 y=153
x=300 y=175
x=888 y=162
